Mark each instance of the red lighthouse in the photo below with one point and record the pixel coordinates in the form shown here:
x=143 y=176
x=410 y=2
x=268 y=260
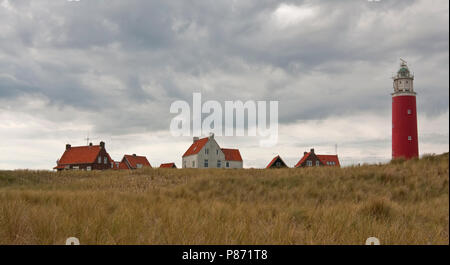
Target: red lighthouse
x=404 y=115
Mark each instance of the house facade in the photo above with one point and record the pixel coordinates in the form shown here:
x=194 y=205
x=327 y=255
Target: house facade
x=90 y=157
x=206 y=153
x=311 y=159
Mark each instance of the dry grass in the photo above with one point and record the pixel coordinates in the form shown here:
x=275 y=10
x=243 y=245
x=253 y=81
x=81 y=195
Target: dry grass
x=404 y=202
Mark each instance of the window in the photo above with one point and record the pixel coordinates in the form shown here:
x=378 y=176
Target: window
x=99 y=160
x=206 y=151
x=217 y=151
x=206 y=163
x=409 y=138
x=138 y=165
x=309 y=163
x=409 y=112
x=75 y=167
x=105 y=160
x=184 y=164
x=193 y=163
x=278 y=164
x=88 y=168
x=317 y=163
x=219 y=164
x=228 y=164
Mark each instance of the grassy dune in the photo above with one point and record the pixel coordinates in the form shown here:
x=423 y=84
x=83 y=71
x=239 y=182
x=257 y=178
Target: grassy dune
x=404 y=202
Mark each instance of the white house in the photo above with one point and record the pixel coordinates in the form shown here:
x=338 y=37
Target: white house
x=206 y=153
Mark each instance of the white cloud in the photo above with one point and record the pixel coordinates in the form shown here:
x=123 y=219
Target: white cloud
x=289 y=15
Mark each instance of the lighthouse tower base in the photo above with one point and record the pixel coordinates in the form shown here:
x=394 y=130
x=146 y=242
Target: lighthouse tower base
x=404 y=127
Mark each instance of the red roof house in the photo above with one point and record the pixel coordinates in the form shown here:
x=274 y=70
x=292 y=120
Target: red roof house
x=90 y=157
x=276 y=162
x=206 y=153
x=134 y=161
x=168 y=165
x=312 y=159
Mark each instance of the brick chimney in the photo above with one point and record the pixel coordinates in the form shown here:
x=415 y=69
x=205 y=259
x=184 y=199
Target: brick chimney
x=68 y=146
x=90 y=144
x=195 y=139
x=134 y=154
x=102 y=144
x=312 y=150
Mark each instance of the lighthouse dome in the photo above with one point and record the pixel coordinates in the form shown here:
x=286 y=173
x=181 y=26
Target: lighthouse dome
x=403 y=71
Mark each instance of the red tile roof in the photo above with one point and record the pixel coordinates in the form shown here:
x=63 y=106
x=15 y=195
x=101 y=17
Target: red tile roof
x=273 y=161
x=323 y=158
x=232 y=154
x=80 y=155
x=168 y=165
x=329 y=158
x=302 y=160
x=123 y=165
x=133 y=160
x=196 y=147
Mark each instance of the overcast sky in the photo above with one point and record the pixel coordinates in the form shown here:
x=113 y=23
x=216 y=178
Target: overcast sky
x=111 y=69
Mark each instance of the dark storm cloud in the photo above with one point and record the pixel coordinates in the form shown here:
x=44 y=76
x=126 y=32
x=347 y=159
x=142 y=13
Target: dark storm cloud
x=124 y=62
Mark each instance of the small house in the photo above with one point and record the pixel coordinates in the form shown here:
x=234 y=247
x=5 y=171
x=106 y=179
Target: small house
x=168 y=165
x=206 y=153
x=90 y=157
x=277 y=162
x=310 y=159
